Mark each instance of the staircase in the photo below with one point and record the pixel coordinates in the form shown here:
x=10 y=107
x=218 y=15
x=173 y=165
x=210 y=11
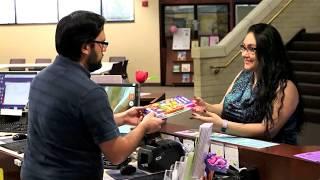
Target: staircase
x=304 y=54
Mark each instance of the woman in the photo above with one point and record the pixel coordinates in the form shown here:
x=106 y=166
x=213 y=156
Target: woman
x=262 y=101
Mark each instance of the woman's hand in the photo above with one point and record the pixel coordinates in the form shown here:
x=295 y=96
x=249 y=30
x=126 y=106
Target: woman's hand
x=210 y=117
x=200 y=105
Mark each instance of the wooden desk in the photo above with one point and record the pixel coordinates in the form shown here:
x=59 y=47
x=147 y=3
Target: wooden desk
x=10 y=170
x=26 y=65
x=149 y=98
x=106 y=66
x=273 y=163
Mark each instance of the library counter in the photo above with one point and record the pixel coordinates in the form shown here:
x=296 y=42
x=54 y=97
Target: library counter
x=276 y=162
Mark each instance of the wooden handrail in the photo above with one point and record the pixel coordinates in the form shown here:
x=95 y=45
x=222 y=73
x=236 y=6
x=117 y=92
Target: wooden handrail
x=217 y=68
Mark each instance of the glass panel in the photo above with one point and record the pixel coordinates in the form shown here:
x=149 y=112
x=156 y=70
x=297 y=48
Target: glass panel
x=213 y=20
x=181 y=16
x=242 y=10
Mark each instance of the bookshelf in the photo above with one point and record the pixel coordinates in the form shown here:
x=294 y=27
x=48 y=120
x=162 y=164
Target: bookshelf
x=179 y=66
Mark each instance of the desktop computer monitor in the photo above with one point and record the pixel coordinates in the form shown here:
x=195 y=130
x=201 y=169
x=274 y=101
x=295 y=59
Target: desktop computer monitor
x=14 y=89
x=122 y=96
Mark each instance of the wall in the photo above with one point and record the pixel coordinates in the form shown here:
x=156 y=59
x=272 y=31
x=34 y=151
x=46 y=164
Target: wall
x=138 y=41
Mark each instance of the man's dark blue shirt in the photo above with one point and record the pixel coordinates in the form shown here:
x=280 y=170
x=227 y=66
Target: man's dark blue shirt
x=69 y=116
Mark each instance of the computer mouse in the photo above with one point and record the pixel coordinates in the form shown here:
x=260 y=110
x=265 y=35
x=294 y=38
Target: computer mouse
x=19 y=136
x=127 y=170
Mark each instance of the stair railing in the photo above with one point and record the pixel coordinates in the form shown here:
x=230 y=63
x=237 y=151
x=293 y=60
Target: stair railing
x=216 y=68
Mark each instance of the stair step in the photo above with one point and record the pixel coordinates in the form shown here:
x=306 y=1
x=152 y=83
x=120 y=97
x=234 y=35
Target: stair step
x=304 y=55
x=305 y=45
x=307 y=77
x=313 y=66
x=309 y=89
x=311 y=36
x=311 y=115
x=311 y=101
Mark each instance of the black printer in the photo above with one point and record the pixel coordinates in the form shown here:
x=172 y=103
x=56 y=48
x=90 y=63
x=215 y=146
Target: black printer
x=160 y=155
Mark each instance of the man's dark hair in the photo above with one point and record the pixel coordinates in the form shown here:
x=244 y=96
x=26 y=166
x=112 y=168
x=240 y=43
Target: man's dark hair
x=76 y=29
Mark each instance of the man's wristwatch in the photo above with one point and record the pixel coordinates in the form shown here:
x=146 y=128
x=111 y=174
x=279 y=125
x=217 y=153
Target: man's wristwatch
x=224 y=126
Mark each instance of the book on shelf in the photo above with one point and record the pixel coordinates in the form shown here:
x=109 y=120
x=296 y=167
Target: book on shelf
x=195 y=43
x=170 y=107
x=185 y=67
x=204 y=41
x=181 y=55
x=213 y=40
x=185 y=78
x=176 y=68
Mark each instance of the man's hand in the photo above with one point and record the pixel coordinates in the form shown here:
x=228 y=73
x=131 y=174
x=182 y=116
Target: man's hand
x=133 y=116
x=151 y=123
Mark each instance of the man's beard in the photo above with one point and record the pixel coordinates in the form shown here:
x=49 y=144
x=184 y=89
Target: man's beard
x=93 y=63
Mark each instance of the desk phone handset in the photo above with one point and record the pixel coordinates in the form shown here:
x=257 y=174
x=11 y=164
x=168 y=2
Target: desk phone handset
x=125 y=167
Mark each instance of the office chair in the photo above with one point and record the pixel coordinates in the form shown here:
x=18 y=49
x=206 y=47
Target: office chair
x=40 y=60
x=17 y=61
x=120 y=68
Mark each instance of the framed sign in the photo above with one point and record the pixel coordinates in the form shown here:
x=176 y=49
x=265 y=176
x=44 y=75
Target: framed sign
x=7 y=12
x=36 y=11
x=118 y=10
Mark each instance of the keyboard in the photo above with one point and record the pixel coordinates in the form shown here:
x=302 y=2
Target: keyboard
x=17 y=146
x=13 y=124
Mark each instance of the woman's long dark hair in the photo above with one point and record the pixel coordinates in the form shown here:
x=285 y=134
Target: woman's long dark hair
x=274 y=69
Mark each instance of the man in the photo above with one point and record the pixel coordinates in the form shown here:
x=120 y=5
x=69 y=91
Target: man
x=70 y=119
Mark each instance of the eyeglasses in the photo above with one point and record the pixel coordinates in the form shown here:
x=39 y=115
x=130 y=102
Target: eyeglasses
x=103 y=43
x=249 y=49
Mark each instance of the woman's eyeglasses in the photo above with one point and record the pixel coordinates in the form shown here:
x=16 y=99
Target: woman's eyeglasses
x=249 y=49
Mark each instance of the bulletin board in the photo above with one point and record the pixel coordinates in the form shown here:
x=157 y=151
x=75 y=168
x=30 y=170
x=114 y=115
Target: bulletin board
x=51 y=11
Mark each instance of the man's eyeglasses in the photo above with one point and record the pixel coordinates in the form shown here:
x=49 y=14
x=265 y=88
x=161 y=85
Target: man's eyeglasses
x=249 y=49
x=103 y=43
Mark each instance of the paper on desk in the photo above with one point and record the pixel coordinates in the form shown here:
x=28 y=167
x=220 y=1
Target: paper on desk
x=125 y=129
x=310 y=156
x=254 y=143
x=144 y=94
x=231 y=154
x=189 y=132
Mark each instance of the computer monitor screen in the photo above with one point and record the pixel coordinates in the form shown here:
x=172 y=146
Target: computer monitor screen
x=14 y=89
x=122 y=96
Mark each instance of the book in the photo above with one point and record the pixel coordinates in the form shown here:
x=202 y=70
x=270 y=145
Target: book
x=195 y=43
x=185 y=67
x=170 y=107
x=185 y=78
x=204 y=41
x=181 y=55
x=176 y=68
x=213 y=40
